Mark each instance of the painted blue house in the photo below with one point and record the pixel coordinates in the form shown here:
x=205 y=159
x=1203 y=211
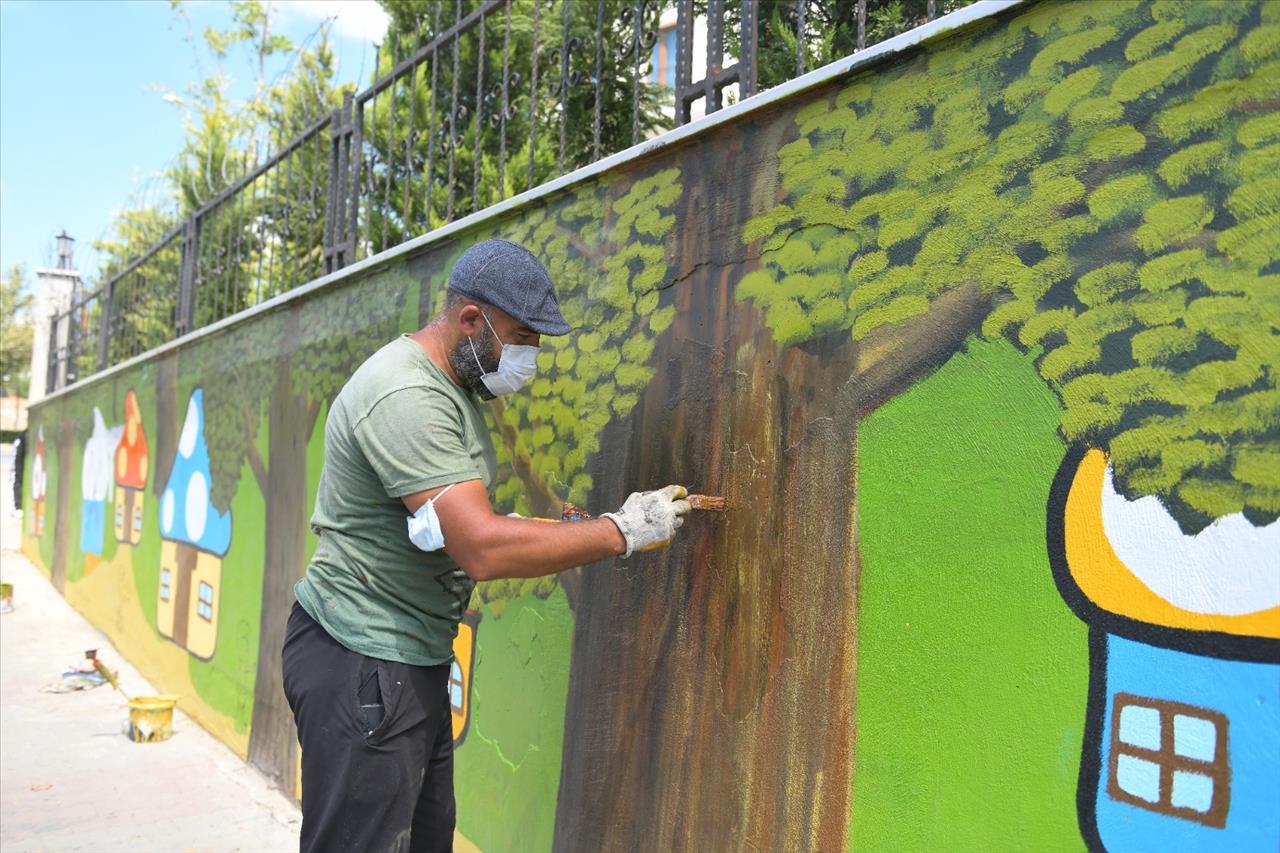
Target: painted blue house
x=1182 y=732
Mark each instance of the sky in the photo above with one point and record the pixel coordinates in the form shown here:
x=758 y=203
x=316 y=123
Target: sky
x=85 y=128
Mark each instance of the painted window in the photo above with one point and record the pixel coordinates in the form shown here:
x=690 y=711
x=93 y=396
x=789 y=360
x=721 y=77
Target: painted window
x=455 y=687
x=164 y=584
x=663 y=62
x=1171 y=758
x=205 y=606
x=137 y=518
x=119 y=515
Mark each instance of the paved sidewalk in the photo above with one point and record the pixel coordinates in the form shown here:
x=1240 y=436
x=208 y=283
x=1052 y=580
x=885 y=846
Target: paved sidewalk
x=69 y=777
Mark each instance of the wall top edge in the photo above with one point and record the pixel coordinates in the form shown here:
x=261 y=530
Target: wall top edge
x=874 y=55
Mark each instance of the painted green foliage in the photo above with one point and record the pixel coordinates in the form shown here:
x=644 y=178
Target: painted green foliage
x=327 y=338
x=606 y=250
x=1108 y=172
x=605 y=247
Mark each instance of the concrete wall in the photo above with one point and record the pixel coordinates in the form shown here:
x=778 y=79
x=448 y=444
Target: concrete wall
x=979 y=345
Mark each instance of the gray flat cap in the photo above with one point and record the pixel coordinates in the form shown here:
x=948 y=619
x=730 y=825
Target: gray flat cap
x=508 y=276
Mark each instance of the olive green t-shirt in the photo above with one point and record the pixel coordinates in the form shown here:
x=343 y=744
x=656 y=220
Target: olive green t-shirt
x=399 y=426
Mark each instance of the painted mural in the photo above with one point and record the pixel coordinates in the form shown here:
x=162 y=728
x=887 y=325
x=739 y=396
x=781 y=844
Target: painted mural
x=35 y=525
x=131 y=467
x=979 y=344
x=1179 y=748
x=95 y=485
x=195 y=539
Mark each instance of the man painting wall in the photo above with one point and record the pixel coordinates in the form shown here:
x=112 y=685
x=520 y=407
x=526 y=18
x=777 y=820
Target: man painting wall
x=368 y=645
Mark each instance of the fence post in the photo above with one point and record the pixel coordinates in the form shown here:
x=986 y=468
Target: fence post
x=684 y=58
x=73 y=344
x=51 y=377
x=104 y=321
x=355 y=158
x=187 y=271
x=335 y=219
x=748 y=40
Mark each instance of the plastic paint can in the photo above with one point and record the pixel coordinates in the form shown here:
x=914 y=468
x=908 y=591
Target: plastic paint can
x=151 y=718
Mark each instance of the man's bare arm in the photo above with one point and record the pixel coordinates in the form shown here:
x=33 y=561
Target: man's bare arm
x=489 y=546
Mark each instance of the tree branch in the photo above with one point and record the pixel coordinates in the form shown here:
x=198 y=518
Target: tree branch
x=313 y=412
x=891 y=359
x=251 y=451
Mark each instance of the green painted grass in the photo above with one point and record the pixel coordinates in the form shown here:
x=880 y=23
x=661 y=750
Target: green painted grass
x=226 y=680
x=972 y=672
x=508 y=768
x=146 y=554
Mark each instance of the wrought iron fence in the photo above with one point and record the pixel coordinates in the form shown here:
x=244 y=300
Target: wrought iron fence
x=269 y=232
x=486 y=99
x=73 y=340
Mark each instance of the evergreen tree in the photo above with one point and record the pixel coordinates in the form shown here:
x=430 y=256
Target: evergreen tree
x=16 y=334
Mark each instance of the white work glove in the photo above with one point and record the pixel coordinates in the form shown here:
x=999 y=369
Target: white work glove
x=649 y=520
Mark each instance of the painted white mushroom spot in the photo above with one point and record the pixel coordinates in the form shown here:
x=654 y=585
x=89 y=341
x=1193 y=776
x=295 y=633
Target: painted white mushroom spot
x=166 y=513
x=187 y=511
x=1229 y=568
x=197 y=504
x=37 y=469
x=190 y=429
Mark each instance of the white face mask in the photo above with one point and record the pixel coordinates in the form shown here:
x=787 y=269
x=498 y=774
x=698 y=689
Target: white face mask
x=424 y=525
x=516 y=365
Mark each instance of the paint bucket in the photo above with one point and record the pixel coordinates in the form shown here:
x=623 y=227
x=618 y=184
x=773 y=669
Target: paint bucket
x=6 y=598
x=151 y=718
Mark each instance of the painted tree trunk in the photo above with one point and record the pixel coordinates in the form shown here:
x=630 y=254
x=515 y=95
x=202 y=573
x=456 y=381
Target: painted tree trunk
x=273 y=742
x=743 y=670
x=710 y=699
x=711 y=695
x=168 y=421
x=62 y=538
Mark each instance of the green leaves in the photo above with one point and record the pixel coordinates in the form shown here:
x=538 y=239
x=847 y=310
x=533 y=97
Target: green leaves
x=1172 y=220
x=1125 y=204
x=605 y=247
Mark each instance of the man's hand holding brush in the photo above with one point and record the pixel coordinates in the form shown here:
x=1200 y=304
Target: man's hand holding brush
x=649 y=520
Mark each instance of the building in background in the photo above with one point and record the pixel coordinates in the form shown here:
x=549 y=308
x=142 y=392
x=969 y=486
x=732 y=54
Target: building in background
x=13 y=414
x=56 y=288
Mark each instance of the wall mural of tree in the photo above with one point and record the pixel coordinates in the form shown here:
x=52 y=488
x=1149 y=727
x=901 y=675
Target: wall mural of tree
x=604 y=247
x=1149 y=299
x=281 y=372
x=1089 y=180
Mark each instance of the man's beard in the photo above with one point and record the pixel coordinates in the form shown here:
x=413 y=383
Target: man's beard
x=464 y=362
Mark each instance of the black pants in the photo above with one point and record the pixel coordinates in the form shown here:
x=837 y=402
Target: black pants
x=369 y=785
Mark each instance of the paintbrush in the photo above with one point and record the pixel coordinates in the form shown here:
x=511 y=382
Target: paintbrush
x=106 y=673
x=706 y=503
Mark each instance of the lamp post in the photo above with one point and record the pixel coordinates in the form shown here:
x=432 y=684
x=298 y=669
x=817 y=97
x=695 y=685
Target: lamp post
x=64 y=250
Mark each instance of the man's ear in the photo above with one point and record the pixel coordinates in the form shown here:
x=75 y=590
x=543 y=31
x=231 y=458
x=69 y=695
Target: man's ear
x=469 y=319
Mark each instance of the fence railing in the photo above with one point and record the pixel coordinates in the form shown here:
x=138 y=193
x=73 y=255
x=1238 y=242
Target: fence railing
x=487 y=99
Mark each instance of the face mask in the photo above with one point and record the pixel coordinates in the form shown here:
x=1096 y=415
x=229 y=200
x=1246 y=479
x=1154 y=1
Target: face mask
x=424 y=525
x=516 y=365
